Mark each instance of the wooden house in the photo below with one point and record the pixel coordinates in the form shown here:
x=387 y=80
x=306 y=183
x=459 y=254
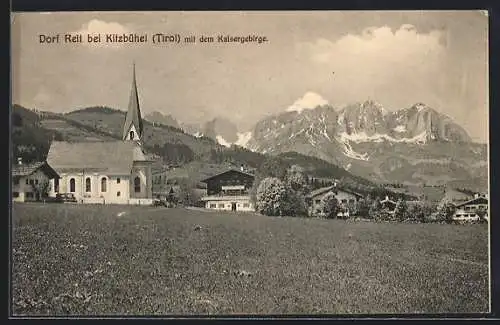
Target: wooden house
x=388 y=205
x=26 y=179
x=229 y=191
x=470 y=210
x=345 y=197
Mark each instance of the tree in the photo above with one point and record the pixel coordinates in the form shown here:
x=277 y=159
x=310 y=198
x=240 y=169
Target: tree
x=270 y=197
x=296 y=180
x=187 y=195
x=445 y=210
x=363 y=207
x=375 y=208
x=421 y=211
x=401 y=210
x=329 y=205
x=294 y=203
x=482 y=214
x=41 y=189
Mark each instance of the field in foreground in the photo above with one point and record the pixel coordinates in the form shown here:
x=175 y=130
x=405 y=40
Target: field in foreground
x=95 y=260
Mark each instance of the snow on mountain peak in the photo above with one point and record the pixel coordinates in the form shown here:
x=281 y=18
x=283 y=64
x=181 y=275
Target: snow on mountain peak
x=310 y=100
x=243 y=139
x=222 y=141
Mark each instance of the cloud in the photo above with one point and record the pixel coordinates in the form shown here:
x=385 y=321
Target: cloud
x=96 y=27
x=379 y=60
x=310 y=100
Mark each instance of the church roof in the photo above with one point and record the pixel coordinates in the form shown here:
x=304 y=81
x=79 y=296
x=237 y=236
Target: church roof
x=134 y=112
x=111 y=157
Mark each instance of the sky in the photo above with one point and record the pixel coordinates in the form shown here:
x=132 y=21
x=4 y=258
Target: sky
x=397 y=58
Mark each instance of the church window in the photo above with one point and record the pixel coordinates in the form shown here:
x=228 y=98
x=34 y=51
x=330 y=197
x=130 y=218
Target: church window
x=131 y=135
x=118 y=180
x=87 y=184
x=56 y=185
x=72 y=185
x=137 y=184
x=104 y=184
x=118 y=193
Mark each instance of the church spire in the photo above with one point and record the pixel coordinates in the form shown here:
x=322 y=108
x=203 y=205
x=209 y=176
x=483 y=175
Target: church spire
x=132 y=129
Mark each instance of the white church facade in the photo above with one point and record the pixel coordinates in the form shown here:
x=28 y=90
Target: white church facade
x=105 y=172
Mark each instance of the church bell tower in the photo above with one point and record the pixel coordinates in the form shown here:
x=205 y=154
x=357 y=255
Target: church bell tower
x=132 y=129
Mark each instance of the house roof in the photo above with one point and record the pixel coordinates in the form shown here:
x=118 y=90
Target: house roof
x=322 y=190
x=112 y=157
x=226 y=172
x=479 y=200
x=29 y=169
x=134 y=111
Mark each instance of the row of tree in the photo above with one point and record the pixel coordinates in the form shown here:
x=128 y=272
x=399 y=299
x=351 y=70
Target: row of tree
x=282 y=191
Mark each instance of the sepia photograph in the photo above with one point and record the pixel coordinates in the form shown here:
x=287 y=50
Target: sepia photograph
x=246 y=163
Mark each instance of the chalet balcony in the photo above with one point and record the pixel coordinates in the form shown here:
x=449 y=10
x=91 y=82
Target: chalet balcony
x=230 y=192
x=225 y=197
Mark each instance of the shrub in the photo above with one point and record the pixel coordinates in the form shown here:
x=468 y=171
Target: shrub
x=329 y=205
x=270 y=197
x=363 y=208
x=445 y=211
x=375 y=208
x=421 y=211
x=296 y=180
x=294 y=203
x=41 y=189
x=401 y=210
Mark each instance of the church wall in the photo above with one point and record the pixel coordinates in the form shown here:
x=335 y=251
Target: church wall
x=143 y=171
x=116 y=192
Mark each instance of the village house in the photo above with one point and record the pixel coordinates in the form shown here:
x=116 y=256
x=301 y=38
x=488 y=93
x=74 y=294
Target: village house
x=345 y=197
x=388 y=205
x=29 y=179
x=471 y=210
x=229 y=191
x=106 y=171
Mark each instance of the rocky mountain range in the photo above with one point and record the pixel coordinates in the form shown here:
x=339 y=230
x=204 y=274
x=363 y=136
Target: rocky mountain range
x=411 y=145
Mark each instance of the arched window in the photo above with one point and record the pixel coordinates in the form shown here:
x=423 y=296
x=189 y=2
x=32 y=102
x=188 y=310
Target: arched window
x=131 y=135
x=104 y=183
x=137 y=184
x=72 y=185
x=87 y=184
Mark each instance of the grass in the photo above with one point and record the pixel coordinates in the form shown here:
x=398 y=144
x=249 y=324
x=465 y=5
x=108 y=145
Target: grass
x=108 y=260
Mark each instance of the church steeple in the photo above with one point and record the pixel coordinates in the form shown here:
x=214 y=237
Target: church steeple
x=132 y=129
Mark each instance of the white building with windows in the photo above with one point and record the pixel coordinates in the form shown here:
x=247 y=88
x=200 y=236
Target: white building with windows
x=107 y=171
x=28 y=178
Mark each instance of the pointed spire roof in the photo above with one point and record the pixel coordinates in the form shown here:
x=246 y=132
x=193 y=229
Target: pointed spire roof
x=134 y=111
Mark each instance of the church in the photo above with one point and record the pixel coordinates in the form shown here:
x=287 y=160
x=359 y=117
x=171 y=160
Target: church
x=105 y=172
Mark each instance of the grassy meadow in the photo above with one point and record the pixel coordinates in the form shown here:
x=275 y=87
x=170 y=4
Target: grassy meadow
x=125 y=260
